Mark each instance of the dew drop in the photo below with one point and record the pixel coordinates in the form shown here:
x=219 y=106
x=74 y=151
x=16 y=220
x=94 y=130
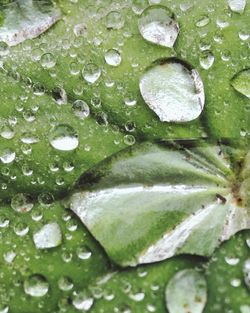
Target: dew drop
x=241 y=82
x=186 y=292
x=178 y=96
x=232 y=260
x=84 y=253
x=157 y=25
x=21 y=203
x=49 y=236
x=81 y=109
x=113 y=57
x=64 y=138
x=114 y=20
x=7 y=132
x=83 y=301
x=7 y=156
x=65 y=283
x=206 y=59
x=203 y=21
x=36 y=285
x=91 y=73
x=246 y=272
x=48 y=60
x=237 y=6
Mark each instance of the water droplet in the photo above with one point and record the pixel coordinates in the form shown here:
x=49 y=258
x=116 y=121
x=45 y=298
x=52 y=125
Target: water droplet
x=49 y=236
x=7 y=156
x=129 y=140
x=48 y=60
x=64 y=138
x=246 y=272
x=36 y=285
x=235 y=282
x=80 y=30
x=178 y=96
x=244 y=309
x=9 y=256
x=203 y=21
x=84 y=253
x=237 y=6
x=83 y=301
x=114 y=20
x=59 y=95
x=81 y=109
x=91 y=73
x=113 y=57
x=206 y=59
x=232 y=260
x=186 y=292
x=241 y=82
x=138 y=6
x=7 y=132
x=157 y=25
x=65 y=283
x=21 y=203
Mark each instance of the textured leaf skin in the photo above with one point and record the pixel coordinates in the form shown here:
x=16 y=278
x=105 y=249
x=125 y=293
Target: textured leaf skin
x=226 y=115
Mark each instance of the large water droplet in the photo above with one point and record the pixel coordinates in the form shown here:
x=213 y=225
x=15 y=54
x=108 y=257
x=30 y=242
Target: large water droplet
x=64 y=138
x=158 y=26
x=36 y=286
x=173 y=90
x=241 y=82
x=237 y=6
x=21 y=203
x=113 y=57
x=91 y=73
x=49 y=236
x=186 y=292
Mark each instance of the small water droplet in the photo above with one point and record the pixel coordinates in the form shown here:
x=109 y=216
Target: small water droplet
x=246 y=272
x=83 y=301
x=65 y=283
x=232 y=260
x=157 y=25
x=203 y=21
x=206 y=59
x=21 y=203
x=241 y=82
x=113 y=57
x=64 y=138
x=114 y=20
x=91 y=73
x=48 y=60
x=186 y=292
x=81 y=109
x=173 y=90
x=36 y=285
x=84 y=253
x=7 y=156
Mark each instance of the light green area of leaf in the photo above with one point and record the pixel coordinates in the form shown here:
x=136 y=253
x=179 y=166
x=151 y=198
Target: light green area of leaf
x=187 y=207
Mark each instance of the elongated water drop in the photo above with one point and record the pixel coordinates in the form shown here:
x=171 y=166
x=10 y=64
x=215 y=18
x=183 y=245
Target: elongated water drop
x=157 y=25
x=173 y=90
x=186 y=292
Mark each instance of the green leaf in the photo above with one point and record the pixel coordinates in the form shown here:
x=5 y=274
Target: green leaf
x=241 y=82
x=189 y=203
